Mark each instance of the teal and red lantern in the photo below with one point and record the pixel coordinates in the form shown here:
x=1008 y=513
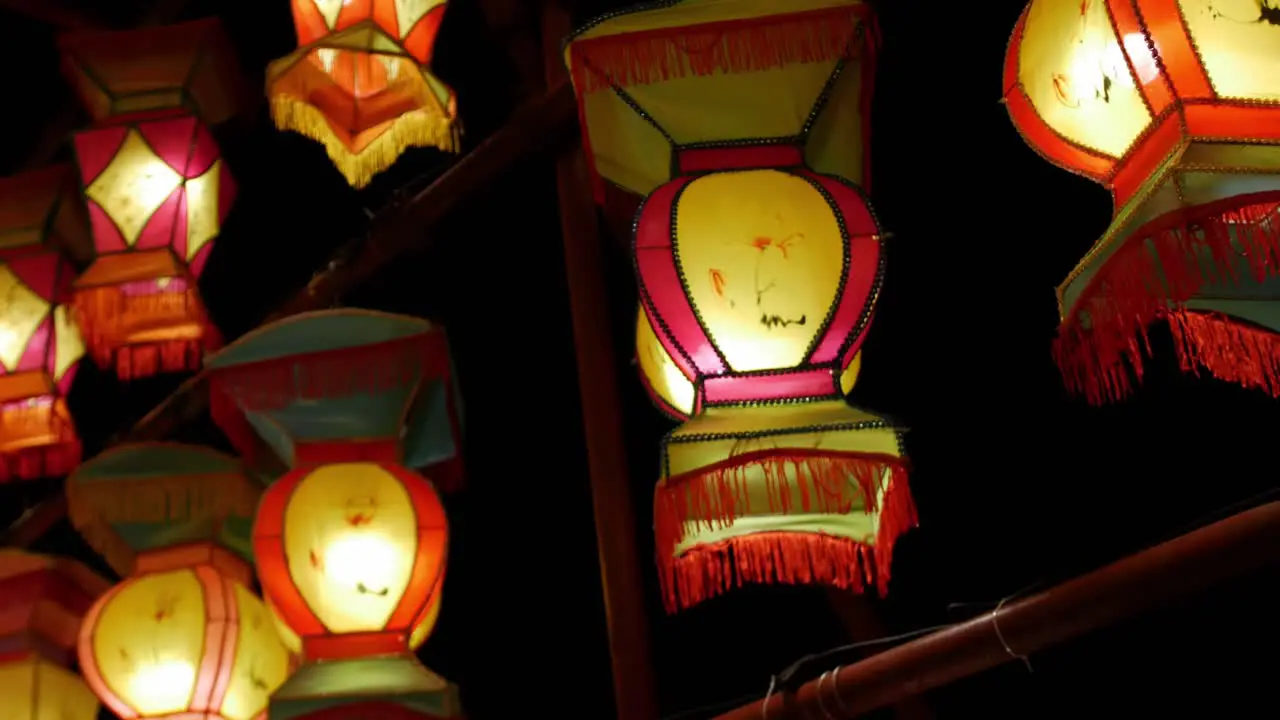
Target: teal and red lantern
x=351 y=544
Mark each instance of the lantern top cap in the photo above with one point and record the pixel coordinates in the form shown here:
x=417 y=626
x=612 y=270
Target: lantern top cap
x=318 y=332
x=184 y=67
x=15 y=562
x=666 y=76
x=148 y=496
x=40 y=210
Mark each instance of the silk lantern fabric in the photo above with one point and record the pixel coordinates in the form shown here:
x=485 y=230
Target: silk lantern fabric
x=1174 y=106
x=156 y=188
x=759 y=262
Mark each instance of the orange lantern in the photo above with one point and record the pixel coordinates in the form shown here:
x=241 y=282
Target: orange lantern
x=182 y=637
x=41 y=602
x=351 y=544
x=156 y=187
x=1174 y=106
x=358 y=83
x=40 y=345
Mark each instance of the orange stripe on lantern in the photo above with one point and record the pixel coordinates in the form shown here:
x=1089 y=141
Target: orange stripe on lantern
x=1146 y=156
x=433 y=533
x=89 y=665
x=1163 y=20
x=273 y=563
x=1127 y=25
x=1231 y=121
x=219 y=641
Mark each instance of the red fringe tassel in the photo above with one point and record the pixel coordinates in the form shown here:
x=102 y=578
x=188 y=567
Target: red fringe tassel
x=1138 y=286
x=35 y=463
x=717 y=496
x=733 y=46
x=108 y=317
x=1228 y=349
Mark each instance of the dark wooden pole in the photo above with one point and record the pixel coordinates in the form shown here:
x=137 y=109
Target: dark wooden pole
x=625 y=613
x=1245 y=543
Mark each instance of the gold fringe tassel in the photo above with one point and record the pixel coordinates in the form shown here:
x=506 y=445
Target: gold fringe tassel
x=94 y=506
x=418 y=128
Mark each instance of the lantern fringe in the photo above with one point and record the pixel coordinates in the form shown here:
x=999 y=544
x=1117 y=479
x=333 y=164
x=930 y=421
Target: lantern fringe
x=94 y=506
x=1150 y=278
x=728 y=47
x=47 y=461
x=106 y=316
x=718 y=495
x=416 y=128
x=1229 y=349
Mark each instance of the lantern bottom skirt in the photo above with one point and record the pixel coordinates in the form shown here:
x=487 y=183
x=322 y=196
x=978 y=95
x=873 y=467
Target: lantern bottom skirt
x=146 y=334
x=1165 y=253
x=37 y=440
x=388 y=688
x=811 y=494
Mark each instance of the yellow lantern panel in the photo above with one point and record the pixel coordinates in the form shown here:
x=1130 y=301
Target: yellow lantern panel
x=1238 y=43
x=148 y=642
x=761 y=276
x=133 y=186
x=262 y=662
x=24 y=311
x=351 y=538
x=36 y=689
x=1083 y=89
x=660 y=372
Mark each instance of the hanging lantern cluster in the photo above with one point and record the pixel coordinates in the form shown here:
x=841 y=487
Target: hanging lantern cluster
x=156 y=188
x=759 y=263
x=1173 y=106
x=182 y=636
x=350 y=544
x=360 y=84
x=41 y=226
x=42 y=600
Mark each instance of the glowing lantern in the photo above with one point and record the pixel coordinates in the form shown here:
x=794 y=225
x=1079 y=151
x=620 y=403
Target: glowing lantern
x=350 y=544
x=182 y=636
x=41 y=602
x=40 y=345
x=759 y=263
x=358 y=83
x=1174 y=106
x=156 y=187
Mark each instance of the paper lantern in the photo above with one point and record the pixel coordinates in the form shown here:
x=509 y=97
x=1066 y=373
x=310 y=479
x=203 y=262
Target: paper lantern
x=359 y=83
x=183 y=637
x=42 y=600
x=40 y=344
x=156 y=187
x=759 y=263
x=1174 y=107
x=350 y=544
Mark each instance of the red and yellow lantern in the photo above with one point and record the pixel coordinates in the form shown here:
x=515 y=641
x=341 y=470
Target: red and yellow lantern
x=759 y=263
x=40 y=344
x=350 y=544
x=359 y=83
x=1174 y=106
x=42 y=600
x=182 y=636
x=156 y=187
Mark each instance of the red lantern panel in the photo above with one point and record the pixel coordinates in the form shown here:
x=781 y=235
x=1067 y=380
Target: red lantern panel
x=762 y=305
x=411 y=25
x=351 y=555
x=157 y=191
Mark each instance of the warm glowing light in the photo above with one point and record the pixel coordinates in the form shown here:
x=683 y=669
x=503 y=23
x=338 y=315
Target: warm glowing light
x=351 y=536
x=165 y=685
x=660 y=372
x=133 y=186
x=763 y=257
x=365 y=561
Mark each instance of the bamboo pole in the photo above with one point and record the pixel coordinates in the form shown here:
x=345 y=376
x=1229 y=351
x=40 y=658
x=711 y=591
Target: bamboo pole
x=625 y=612
x=1196 y=561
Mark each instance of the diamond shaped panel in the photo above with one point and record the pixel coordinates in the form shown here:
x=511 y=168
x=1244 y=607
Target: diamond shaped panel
x=133 y=186
x=21 y=312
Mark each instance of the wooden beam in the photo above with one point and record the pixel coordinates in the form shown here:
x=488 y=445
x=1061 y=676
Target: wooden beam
x=1223 y=551
x=545 y=120
x=57 y=13
x=63 y=122
x=620 y=575
x=858 y=614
